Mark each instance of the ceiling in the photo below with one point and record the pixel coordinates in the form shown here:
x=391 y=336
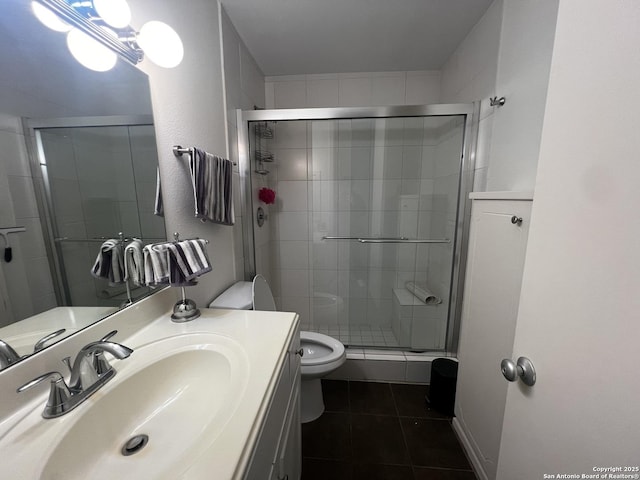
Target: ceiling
x=289 y=37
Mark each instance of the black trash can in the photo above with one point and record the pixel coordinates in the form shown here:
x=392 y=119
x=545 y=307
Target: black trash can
x=442 y=392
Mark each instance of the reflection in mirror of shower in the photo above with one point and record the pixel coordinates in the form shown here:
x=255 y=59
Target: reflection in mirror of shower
x=372 y=177
x=102 y=181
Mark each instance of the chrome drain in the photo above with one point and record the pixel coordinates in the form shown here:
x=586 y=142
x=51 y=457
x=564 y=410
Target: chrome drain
x=134 y=444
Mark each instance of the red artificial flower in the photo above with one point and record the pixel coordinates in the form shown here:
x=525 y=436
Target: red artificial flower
x=266 y=195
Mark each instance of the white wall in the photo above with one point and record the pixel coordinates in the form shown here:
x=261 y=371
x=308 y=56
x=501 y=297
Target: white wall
x=189 y=109
x=244 y=88
x=583 y=411
x=526 y=43
x=470 y=75
x=507 y=54
x=353 y=89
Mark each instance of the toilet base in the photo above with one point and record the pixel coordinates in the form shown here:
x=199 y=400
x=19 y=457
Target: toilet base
x=311 y=400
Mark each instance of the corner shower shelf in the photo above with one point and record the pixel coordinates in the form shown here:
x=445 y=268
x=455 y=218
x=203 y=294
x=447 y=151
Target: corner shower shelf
x=264 y=156
x=263 y=130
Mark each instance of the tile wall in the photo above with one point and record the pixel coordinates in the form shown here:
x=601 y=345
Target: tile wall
x=360 y=89
x=27 y=280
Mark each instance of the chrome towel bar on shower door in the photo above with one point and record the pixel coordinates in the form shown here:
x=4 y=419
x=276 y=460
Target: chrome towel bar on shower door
x=389 y=239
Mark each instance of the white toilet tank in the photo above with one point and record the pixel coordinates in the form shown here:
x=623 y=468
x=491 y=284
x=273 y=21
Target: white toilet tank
x=254 y=295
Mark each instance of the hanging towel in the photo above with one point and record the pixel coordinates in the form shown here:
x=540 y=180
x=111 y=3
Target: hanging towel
x=134 y=262
x=187 y=260
x=177 y=263
x=212 y=180
x=422 y=292
x=158 y=208
x=110 y=262
x=156 y=264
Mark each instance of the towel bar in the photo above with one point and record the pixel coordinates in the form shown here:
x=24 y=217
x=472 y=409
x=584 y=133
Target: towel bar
x=179 y=150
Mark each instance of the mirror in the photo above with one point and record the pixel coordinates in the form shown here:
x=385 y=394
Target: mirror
x=78 y=166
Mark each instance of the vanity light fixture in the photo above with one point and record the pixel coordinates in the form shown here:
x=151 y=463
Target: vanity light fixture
x=98 y=30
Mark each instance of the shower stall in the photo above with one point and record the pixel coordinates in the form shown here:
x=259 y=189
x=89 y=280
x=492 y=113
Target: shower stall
x=370 y=202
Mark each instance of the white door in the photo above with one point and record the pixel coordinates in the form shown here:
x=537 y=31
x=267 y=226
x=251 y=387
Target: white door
x=579 y=314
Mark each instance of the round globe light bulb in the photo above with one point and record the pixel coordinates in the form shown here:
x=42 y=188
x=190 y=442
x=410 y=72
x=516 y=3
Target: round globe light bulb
x=114 y=12
x=161 y=44
x=48 y=18
x=89 y=52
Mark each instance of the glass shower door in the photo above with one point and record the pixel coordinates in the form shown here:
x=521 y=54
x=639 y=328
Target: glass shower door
x=366 y=211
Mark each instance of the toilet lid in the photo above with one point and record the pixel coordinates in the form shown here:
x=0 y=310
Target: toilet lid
x=262 y=296
x=320 y=349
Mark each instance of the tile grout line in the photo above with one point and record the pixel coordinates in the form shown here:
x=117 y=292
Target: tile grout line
x=404 y=437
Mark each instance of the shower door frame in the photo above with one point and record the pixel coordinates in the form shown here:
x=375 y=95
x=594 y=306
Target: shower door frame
x=471 y=112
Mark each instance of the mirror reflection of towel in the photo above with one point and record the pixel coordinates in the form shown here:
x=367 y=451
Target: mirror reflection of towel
x=134 y=262
x=109 y=263
x=212 y=181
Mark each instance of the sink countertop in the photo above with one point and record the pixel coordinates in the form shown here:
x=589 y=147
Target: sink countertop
x=263 y=338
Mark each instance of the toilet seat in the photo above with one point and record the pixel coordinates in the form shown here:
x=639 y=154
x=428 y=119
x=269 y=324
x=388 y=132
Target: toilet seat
x=320 y=349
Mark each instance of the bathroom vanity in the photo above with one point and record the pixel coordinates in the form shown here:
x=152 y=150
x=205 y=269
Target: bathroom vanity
x=218 y=397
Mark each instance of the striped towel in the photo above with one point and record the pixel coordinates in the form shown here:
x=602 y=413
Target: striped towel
x=187 y=260
x=134 y=262
x=178 y=263
x=158 y=207
x=156 y=264
x=110 y=262
x=212 y=180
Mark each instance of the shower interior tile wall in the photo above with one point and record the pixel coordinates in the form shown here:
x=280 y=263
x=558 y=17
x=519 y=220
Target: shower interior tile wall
x=27 y=278
x=362 y=177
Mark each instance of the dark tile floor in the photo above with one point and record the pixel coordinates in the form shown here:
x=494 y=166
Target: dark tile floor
x=380 y=431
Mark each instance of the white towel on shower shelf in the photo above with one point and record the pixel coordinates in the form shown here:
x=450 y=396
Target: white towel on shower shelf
x=134 y=262
x=422 y=292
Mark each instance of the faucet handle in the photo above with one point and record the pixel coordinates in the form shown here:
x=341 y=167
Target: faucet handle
x=59 y=393
x=98 y=360
x=108 y=335
x=40 y=343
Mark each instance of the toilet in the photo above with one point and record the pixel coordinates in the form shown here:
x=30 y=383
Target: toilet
x=322 y=354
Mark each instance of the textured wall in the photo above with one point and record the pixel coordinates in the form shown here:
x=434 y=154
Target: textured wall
x=188 y=108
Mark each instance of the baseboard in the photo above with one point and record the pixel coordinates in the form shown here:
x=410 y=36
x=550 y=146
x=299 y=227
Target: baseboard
x=468 y=450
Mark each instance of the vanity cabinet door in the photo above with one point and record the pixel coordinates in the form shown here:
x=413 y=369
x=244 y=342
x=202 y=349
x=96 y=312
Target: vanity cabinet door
x=288 y=464
x=278 y=452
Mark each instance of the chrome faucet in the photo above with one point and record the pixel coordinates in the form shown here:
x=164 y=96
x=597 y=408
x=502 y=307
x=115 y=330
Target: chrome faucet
x=8 y=356
x=90 y=371
x=84 y=371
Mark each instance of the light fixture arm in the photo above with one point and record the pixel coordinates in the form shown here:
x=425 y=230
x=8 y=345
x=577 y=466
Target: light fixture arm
x=126 y=49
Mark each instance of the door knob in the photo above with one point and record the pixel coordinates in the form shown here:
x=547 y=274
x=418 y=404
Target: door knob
x=523 y=369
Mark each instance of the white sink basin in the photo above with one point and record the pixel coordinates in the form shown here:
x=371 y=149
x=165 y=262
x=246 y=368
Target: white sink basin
x=180 y=392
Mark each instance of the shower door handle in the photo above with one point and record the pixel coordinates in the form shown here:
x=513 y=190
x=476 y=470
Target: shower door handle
x=523 y=369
